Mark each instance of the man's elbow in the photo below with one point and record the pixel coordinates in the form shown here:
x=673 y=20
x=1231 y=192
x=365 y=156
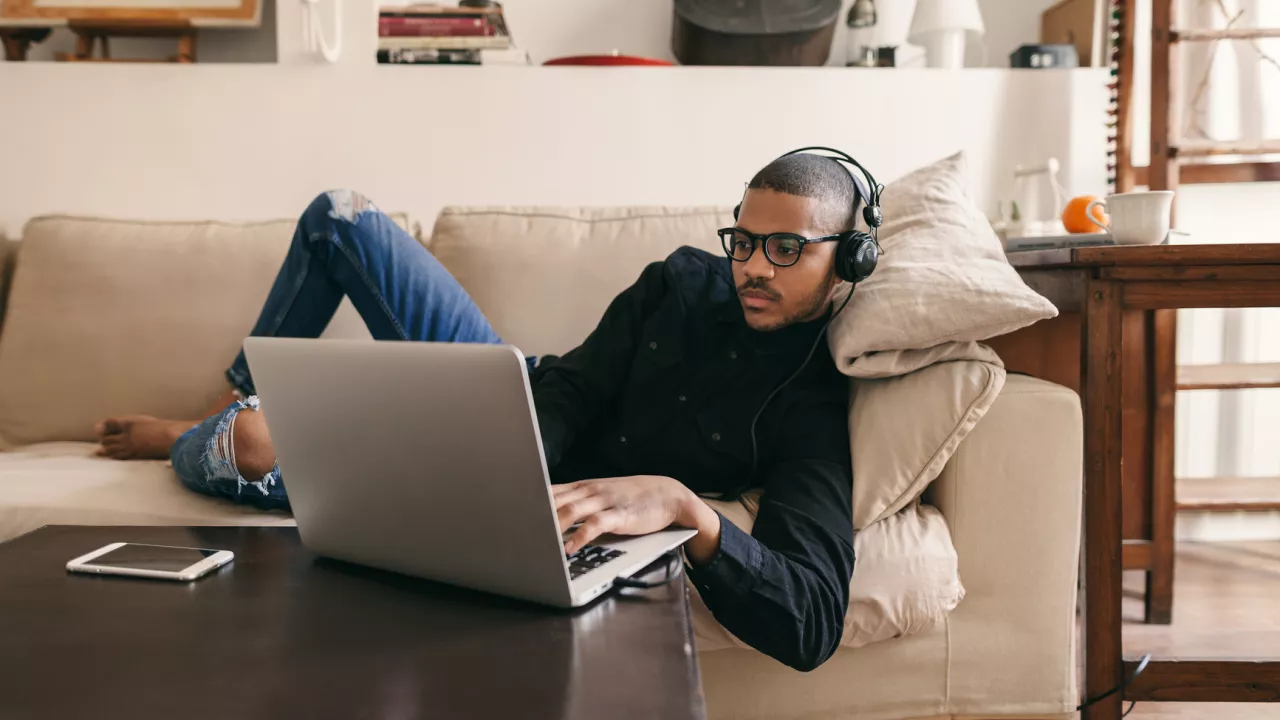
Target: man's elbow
x=812 y=652
x=808 y=660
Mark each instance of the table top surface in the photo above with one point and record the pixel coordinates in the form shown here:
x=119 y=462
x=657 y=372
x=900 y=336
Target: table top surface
x=283 y=633
x=1148 y=255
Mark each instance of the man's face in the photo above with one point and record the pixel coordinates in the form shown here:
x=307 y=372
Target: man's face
x=775 y=297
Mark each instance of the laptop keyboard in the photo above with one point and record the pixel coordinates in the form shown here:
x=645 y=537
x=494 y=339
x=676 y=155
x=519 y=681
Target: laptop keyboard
x=589 y=558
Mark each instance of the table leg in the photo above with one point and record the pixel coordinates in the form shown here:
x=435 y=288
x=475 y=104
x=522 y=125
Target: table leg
x=1159 y=595
x=1101 y=346
x=17 y=41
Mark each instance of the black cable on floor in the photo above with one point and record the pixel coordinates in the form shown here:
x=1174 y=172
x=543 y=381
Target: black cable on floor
x=1142 y=665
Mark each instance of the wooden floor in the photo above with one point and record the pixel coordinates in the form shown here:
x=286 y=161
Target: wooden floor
x=1226 y=603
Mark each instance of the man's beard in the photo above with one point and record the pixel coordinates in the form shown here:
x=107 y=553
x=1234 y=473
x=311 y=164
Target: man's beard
x=810 y=309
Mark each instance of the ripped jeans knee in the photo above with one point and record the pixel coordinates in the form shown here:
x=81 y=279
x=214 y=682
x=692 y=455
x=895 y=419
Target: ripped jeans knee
x=204 y=459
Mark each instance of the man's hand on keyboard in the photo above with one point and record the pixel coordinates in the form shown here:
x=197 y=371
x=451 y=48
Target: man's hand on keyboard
x=628 y=506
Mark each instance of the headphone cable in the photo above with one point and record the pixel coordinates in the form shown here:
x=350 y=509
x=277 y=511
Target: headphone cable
x=821 y=334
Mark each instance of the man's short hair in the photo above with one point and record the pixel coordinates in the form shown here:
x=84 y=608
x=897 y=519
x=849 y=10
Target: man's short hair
x=818 y=177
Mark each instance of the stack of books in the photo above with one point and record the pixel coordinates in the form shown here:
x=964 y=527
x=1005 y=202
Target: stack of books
x=445 y=35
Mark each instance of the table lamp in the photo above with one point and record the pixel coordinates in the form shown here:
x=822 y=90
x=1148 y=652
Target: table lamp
x=941 y=27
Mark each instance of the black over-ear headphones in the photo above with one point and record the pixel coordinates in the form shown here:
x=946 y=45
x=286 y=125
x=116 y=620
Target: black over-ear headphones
x=857 y=252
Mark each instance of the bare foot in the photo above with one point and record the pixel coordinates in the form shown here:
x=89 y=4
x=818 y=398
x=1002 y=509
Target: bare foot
x=139 y=437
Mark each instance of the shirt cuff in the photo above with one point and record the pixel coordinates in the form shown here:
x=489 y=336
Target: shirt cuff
x=735 y=565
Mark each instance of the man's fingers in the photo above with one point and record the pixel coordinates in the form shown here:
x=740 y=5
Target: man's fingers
x=569 y=496
x=571 y=512
x=558 y=490
x=592 y=528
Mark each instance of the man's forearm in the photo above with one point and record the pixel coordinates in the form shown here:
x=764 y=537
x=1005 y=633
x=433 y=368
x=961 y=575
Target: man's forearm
x=701 y=548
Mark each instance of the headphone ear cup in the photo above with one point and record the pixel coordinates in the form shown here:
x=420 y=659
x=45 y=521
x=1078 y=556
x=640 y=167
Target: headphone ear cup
x=856 y=257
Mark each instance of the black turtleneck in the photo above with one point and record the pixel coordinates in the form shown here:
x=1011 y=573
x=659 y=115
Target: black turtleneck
x=668 y=384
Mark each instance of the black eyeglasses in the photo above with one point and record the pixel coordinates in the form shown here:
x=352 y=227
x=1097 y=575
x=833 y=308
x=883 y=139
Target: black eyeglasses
x=782 y=249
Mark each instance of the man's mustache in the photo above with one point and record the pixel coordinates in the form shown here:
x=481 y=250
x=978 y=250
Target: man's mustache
x=759 y=286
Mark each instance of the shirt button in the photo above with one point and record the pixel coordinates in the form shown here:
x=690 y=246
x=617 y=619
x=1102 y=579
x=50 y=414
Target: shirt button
x=733 y=354
x=682 y=398
x=715 y=437
x=653 y=346
x=622 y=439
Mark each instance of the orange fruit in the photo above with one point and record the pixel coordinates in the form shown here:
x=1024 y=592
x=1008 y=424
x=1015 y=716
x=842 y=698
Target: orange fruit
x=1075 y=220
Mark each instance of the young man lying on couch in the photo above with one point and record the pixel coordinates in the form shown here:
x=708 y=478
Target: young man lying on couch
x=704 y=377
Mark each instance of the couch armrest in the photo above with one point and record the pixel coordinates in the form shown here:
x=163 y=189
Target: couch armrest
x=1012 y=496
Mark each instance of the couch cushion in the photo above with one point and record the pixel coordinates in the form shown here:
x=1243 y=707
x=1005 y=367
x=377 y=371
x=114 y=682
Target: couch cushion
x=111 y=317
x=905 y=580
x=66 y=484
x=943 y=276
x=903 y=430
x=544 y=276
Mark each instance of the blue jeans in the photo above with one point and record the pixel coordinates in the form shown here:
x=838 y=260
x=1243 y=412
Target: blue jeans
x=343 y=246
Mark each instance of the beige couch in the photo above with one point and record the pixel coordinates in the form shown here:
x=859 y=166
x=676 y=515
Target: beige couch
x=110 y=317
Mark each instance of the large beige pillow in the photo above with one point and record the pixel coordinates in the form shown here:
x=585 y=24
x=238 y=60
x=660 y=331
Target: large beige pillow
x=943 y=276
x=906 y=577
x=903 y=430
x=110 y=317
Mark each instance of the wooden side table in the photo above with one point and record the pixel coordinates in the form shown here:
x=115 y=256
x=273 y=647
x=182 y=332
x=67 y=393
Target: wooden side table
x=98 y=33
x=1114 y=343
x=17 y=36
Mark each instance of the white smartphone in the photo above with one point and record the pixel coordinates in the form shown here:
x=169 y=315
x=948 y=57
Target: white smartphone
x=162 y=562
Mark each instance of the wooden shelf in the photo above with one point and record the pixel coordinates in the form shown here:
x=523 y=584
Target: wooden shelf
x=1206 y=149
x=1209 y=35
x=1227 y=494
x=1247 y=376
x=1213 y=173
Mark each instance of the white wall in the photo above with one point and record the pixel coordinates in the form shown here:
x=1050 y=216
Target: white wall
x=253 y=141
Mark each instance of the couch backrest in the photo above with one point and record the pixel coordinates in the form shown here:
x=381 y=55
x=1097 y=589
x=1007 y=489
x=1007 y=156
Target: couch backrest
x=109 y=317
x=544 y=276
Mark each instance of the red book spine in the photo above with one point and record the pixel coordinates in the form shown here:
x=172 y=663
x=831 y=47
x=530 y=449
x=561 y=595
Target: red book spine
x=432 y=27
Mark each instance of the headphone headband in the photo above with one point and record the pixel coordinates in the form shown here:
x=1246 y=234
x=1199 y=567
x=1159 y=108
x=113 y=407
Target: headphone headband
x=869 y=194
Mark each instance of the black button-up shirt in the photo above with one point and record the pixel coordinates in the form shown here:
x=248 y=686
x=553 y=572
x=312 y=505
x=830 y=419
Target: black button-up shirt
x=669 y=384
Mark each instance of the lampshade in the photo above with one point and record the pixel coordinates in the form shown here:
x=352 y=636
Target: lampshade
x=934 y=15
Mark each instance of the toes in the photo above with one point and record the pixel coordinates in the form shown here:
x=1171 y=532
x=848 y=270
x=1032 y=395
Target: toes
x=114 y=448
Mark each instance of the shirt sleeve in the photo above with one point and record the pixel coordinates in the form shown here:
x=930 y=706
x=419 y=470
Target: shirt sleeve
x=784 y=589
x=574 y=391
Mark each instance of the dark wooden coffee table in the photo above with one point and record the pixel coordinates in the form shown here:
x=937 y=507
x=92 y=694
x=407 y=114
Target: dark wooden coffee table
x=281 y=633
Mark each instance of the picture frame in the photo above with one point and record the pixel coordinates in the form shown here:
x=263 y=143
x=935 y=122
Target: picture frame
x=246 y=13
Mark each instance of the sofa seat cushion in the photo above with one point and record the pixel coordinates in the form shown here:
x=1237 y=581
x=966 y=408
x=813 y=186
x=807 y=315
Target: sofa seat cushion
x=906 y=578
x=64 y=483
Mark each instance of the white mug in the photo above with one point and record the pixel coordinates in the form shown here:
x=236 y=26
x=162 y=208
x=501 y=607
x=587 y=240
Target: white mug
x=1137 y=218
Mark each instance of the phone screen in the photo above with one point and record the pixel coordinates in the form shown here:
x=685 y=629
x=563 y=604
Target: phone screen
x=152 y=557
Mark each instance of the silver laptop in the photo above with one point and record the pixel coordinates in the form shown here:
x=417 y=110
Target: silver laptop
x=425 y=459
